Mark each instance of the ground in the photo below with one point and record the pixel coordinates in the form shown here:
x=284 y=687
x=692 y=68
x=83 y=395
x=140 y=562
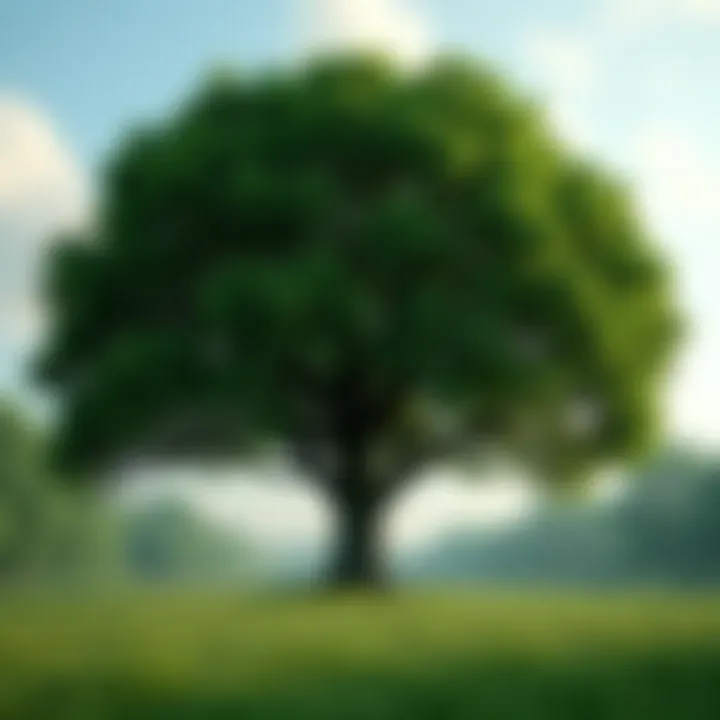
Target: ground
x=421 y=655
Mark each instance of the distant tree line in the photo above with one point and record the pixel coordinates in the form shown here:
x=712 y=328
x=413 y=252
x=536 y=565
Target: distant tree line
x=665 y=530
x=51 y=530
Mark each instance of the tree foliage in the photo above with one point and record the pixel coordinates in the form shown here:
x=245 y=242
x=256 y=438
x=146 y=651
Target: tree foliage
x=375 y=269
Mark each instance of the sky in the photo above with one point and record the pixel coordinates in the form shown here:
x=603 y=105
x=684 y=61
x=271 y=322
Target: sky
x=631 y=82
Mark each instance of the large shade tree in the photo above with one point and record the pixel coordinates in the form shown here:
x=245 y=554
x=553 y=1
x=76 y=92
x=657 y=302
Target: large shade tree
x=369 y=269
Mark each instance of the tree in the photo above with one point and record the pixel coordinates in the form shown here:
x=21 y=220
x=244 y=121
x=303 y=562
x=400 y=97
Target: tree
x=27 y=496
x=371 y=270
x=672 y=519
x=169 y=540
x=19 y=490
x=45 y=529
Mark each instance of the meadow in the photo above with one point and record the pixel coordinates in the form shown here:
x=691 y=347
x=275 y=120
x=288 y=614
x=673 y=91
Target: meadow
x=515 y=655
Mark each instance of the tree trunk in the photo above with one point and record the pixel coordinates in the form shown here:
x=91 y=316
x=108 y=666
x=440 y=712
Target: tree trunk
x=359 y=562
x=359 y=559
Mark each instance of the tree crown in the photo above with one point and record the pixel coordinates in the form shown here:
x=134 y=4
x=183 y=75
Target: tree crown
x=346 y=252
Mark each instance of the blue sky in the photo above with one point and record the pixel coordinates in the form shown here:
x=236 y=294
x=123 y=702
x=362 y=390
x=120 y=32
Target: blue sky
x=632 y=81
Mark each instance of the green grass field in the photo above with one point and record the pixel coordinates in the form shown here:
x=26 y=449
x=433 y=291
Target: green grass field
x=460 y=655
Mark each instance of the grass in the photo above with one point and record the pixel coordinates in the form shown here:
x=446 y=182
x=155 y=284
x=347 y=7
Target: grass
x=428 y=655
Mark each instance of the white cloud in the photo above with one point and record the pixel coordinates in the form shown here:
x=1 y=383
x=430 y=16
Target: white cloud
x=677 y=178
x=392 y=27
x=564 y=66
x=450 y=500
x=634 y=15
x=563 y=61
x=695 y=395
x=42 y=189
x=37 y=171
